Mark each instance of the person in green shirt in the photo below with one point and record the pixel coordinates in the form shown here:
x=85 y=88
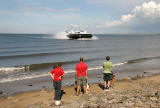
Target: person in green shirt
x=107 y=66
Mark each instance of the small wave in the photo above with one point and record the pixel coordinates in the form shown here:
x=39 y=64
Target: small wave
x=142 y=59
x=40 y=54
x=22 y=78
x=40 y=66
x=118 y=64
x=48 y=65
x=13 y=69
x=47 y=74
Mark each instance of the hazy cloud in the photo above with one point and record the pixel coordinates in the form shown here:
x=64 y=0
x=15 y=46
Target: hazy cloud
x=143 y=17
x=119 y=5
x=46 y=9
x=66 y=17
x=25 y=9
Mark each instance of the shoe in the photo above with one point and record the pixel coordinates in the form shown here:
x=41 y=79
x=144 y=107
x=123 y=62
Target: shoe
x=57 y=102
x=106 y=89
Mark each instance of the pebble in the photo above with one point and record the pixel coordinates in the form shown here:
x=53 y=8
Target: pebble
x=10 y=97
x=15 y=100
x=153 y=99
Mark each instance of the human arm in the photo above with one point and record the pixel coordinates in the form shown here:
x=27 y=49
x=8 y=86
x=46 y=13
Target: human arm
x=86 y=74
x=52 y=75
x=62 y=74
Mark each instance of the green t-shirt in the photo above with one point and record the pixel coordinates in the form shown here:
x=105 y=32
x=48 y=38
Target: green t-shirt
x=107 y=67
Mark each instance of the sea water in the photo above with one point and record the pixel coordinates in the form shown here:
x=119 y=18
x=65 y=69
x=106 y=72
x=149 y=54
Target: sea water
x=28 y=56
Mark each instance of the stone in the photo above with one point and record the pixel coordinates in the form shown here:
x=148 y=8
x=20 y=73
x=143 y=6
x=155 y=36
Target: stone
x=74 y=104
x=157 y=94
x=99 y=101
x=92 y=105
x=15 y=100
x=93 y=98
x=113 y=101
x=10 y=97
x=153 y=99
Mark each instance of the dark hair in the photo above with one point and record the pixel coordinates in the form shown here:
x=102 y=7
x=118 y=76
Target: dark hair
x=81 y=59
x=107 y=58
x=59 y=64
x=55 y=66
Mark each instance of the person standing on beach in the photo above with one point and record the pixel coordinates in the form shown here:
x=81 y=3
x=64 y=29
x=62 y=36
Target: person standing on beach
x=81 y=75
x=107 y=66
x=57 y=74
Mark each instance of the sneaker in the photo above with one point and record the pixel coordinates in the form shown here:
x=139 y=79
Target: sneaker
x=106 y=89
x=57 y=102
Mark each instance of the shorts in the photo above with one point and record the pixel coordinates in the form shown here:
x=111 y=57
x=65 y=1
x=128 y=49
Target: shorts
x=81 y=80
x=107 y=77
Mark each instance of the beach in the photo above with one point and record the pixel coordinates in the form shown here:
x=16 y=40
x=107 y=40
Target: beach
x=24 y=70
x=141 y=92
x=36 y=36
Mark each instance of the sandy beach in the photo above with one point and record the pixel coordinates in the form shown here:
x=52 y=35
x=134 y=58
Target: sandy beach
x=141 y=92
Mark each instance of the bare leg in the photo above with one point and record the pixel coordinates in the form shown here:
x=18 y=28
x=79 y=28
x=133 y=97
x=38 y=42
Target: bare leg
x=78 y=89
x=105 y=84
x=108 y=84
x=84 y=87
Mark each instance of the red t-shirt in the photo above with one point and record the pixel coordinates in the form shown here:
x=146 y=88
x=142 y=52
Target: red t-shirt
x=57 y=73
x=81 y=69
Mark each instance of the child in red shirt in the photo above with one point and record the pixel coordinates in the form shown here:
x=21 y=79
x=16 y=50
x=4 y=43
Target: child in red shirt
x=57 y=74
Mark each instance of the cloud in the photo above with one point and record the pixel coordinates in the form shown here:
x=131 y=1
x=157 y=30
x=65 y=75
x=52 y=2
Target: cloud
x=46 y=9
x=74 y=25
x=116 y=3
x=149 y=10
x=118 y=6
x=66 y=16
x=124 y=19
x=145 y=16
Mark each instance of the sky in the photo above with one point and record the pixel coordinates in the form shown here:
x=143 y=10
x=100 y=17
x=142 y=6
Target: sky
x=95 y=16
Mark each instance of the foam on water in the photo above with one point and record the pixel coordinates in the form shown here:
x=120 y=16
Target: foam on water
x=12 y=69
x=61 y=35
x=3 y=80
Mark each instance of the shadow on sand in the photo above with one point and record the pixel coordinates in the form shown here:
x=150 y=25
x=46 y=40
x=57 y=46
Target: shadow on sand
x=62 y=92
x=101 y=86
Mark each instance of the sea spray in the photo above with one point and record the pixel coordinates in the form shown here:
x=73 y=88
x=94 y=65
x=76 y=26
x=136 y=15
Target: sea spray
x=61 y=35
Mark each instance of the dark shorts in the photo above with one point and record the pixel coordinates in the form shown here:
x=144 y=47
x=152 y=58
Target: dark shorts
x=107 y=77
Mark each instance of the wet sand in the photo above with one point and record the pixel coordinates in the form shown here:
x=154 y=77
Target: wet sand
x=94 y=76
x=127 y=92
